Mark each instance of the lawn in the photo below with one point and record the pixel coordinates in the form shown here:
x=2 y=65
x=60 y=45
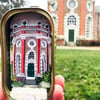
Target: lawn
x=81 y=70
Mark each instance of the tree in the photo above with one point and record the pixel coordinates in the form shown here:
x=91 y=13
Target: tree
x=6 y=5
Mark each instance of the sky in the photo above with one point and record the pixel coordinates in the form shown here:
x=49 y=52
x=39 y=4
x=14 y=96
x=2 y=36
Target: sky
x=37 y=3
x=44 y=3
x=97 y=2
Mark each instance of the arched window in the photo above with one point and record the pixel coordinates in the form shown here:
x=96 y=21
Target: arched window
x=31 y=55
x=88 y=29
x=18 y=64
x=43 y=63
x=55 y=17
x=71 y=20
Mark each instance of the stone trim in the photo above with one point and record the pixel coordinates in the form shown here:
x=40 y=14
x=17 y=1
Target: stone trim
x=17 y=43
x=55 y=22
x=60 y=37
x=37 y=36
x=53 y=5
x=86 y=19
x=89 y=3
x=45 y=43
x=41 y=57
x=30 y=45
x=28 y=61
x=17 y=74
x=69 y=6
x=76 y=27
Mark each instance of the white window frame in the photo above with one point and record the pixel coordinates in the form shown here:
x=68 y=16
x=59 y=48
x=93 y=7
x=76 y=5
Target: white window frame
x=30 y=45
x=55 y=6
x=18 y=74
x=55 y=22
x=76 y=4
x=45 y=44
x=71 y=20
x=17 y=43
x=91 y=4
x=30 y=61
x=90 y=27
x=45 y=67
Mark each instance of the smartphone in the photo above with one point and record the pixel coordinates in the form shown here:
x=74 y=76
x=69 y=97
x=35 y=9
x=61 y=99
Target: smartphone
x=27 y=42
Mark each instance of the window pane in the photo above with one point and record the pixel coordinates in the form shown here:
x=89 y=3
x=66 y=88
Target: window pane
x=31 y=55
x=71 y=20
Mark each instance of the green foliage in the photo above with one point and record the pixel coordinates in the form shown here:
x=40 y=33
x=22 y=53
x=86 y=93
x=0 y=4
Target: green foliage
x=81 y=70
x=47 y=77
x=5 y=5
x=17 y=84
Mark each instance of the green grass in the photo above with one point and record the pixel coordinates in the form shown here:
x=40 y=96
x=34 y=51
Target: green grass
x=81 y=70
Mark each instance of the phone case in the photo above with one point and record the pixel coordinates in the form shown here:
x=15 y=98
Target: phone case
x=27 y=41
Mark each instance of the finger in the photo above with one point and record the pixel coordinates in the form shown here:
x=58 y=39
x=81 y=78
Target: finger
x=58 y=93
x=2 y=95
x=59 y=79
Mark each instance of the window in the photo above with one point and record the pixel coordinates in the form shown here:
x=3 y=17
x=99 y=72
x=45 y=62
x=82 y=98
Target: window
x=24 y=22
x=18 y=43
x=88 y=29
x=43 y=44
x=72 y=4
x=15 y=26
x=53 y=5
x=31 y=43
x=89 y=6
x=54 y=18
x=71 y=20
x=31 y=55
x=43 y=63
x=39 y=22
x=47 y=27
x=18 y=64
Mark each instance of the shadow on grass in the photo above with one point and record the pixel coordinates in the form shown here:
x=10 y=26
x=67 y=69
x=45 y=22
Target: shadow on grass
x=94 y=96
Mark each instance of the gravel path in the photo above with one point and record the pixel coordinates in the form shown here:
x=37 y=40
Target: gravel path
x=78 y=48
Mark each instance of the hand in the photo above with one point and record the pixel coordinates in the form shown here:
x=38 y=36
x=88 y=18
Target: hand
x=59 y=88
x=2 y=95
x=58 y=91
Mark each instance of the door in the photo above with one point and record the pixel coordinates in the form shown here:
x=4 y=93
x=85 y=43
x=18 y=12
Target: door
x=30 y=71
x=71 y=35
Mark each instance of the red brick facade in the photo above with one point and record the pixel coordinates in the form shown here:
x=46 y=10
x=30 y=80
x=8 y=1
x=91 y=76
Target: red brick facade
x=82 y=17
x=97 y=21
x=75 y=18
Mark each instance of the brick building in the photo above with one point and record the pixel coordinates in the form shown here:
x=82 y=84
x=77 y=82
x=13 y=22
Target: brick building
x=31 y=46
x=97 y=12
x=74 y=20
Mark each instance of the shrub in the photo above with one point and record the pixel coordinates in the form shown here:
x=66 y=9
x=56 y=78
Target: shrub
x=88 y=42
x=47 y=77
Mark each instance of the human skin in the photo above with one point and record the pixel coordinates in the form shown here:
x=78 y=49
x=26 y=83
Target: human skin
x=59 y=88
x=58 y=91
x=2 y=95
